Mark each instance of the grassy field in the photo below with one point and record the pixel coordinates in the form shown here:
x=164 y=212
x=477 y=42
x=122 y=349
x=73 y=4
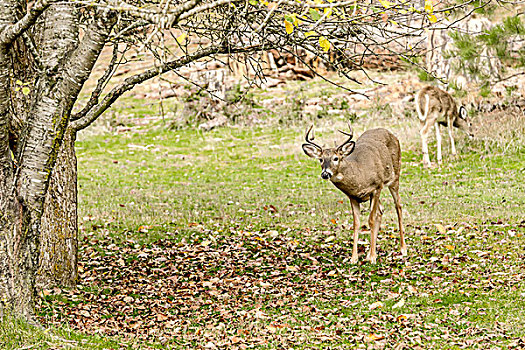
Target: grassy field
x=230 y=239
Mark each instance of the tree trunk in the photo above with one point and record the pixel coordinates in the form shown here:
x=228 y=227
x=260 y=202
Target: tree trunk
x=18 y=260
x=18 y=250
x=27 y=166
x=18 y=228
x=59 y=230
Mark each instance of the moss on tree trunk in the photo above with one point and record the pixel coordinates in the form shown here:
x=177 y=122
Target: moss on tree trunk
x=59 y=229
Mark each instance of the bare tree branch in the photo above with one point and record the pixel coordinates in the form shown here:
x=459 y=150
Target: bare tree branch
x=28 y=40
x=11 y=32
x=101 y=83
x=83 y=58
x=132 y=81
x=206 y=7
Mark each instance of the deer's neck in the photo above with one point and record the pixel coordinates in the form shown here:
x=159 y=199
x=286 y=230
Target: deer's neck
x=353 y=181
x=346 y=176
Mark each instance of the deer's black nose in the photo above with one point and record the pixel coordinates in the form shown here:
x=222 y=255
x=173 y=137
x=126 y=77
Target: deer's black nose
x=326 y=175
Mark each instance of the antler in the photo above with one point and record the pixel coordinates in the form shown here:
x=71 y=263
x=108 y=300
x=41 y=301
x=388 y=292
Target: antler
x=311 y=139
x=350 y=135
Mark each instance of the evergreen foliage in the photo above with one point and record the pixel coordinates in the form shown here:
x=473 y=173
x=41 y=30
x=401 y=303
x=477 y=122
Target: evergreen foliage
x=500 y=40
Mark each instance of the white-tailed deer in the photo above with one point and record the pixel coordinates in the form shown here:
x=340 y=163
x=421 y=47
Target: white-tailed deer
x=436 y=107
x=360 y=170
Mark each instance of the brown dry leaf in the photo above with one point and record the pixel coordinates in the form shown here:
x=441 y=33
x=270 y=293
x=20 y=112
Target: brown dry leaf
x=399 y=304
x=161 y=317
x=373 y=337
x=376 y=305
x=235 y=339
x=208 y=284
x=401 y=318
x=441 y=229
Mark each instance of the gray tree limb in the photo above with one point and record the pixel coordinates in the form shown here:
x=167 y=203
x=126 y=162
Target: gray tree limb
x=134 y=80
x=11 y=32
x=97 y=91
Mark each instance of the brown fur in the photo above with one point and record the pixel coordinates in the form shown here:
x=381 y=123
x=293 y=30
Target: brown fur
x=436 y=107
x=361 y=170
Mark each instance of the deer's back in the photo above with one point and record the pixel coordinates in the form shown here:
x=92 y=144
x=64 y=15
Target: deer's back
x=440 y=102
x=381 y=144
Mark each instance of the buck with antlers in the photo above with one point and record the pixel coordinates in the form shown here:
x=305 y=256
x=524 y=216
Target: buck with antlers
x=360 y=170
x=436 y=107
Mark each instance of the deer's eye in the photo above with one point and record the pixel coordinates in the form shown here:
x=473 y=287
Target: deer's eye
x=336 y=159
x=320 y=160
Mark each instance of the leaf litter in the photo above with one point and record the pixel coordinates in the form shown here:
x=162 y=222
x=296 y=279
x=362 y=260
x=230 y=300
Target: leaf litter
x=272 y=290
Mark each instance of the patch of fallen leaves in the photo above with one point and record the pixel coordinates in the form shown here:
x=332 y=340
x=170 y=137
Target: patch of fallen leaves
x=253 y=289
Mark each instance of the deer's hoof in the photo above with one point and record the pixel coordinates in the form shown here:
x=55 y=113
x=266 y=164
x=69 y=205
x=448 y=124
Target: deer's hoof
x=371 y=258
x=404 y=251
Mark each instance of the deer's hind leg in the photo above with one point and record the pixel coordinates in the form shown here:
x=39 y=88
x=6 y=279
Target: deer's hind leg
x=424 y=132
x=374 y=220
x=438 y=143
x=451 y=136
x=394 y=190
x=355 y=212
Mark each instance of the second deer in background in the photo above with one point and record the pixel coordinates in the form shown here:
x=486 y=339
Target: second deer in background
x=436 y=107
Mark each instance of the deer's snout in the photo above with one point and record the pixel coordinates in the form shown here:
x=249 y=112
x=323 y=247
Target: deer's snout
x=326 y=174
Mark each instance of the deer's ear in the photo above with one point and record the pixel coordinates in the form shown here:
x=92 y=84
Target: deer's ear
x=463 y=113
x=311 y=151
x=347 y=148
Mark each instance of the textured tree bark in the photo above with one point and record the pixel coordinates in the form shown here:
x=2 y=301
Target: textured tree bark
x=18 y=254
x=17 y=235
x=59 y=230
x=26 y=167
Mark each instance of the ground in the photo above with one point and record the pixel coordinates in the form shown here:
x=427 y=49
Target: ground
x=230 y=239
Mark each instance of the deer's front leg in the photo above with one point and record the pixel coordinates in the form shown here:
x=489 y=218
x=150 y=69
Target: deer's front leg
x=394 y=190
x=355 y=212
x=374 y=221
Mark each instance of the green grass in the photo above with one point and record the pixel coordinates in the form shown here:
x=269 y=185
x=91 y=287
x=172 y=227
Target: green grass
x=237 y=174
x=252 y=190
x=183 y=184
x=18 y=334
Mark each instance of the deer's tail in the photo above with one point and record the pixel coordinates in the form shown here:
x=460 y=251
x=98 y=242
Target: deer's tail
x=422 y=116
